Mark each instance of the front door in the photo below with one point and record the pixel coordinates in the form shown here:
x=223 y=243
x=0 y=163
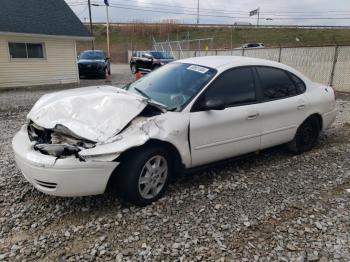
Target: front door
x=220 y=134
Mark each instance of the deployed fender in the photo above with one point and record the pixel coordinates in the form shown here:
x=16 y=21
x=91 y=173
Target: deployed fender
x=171 y=127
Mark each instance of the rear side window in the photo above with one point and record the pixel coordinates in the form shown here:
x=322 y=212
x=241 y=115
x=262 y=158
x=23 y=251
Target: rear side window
x=299 y=83
x=276 y=83
x=234 y=87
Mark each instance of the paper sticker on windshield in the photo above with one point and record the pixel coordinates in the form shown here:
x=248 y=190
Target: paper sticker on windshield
x=198 y=69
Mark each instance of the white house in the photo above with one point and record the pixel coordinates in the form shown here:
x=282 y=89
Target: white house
x=38 y=42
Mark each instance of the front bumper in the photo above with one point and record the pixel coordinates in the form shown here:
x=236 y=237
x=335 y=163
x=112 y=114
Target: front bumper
x=60 y=177
x=91 y=70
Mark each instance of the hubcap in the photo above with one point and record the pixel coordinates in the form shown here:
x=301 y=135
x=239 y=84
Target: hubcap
x=153 y=177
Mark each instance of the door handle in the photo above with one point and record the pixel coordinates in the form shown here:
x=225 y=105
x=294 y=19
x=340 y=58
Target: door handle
x=254 y=116
x=299 y=107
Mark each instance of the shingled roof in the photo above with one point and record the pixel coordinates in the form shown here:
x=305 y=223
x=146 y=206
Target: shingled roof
x=41 y=17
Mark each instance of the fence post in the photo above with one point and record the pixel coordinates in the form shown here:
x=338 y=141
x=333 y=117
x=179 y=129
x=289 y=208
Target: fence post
x=279 y=54
x=333 y=66
x=242 y=51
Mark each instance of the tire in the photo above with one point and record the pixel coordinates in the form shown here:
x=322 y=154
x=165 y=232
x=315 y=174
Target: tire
x=144 y=175
x=156 y=67
x=133 y=68
x=306 y=136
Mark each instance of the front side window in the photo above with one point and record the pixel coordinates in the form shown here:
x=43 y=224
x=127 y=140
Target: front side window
x=161 y=55
x=146 y=55
x=233 y=87
x=276 y=83
x=173 y=85
x=26 y=50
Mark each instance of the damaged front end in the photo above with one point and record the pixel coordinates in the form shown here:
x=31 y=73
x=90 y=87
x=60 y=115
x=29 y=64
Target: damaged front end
x=98 y=124
x=59 y=142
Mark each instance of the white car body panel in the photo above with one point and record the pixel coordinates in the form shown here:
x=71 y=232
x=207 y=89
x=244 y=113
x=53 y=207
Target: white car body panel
x=170 y=127
x=60 y=177
x=112 y=118
x=221 y=134
x=279 y=126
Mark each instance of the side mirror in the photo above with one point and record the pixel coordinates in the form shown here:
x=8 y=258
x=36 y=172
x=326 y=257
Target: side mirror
x=214 y=104
x=107 y=59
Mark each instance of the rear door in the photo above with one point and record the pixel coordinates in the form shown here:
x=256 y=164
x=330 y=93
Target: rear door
x=284 y=105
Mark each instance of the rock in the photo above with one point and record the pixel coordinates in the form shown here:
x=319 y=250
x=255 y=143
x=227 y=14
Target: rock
x=318 y=225
x=176 y=245
x=246 y=223
x=312 y=257
x=291 y=247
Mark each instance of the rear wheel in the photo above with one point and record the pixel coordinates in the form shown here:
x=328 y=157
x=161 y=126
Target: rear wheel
x=144 y=175
x=306 y=136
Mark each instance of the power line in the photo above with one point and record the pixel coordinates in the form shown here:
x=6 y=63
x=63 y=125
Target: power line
x=231 y=11
x=225 y=11
x=168 y=11
x=83 y=11
x=129 y=7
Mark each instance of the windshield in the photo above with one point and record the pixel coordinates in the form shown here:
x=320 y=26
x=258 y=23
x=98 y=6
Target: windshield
x=161 y=55
x=92 y=55
x=173 y=85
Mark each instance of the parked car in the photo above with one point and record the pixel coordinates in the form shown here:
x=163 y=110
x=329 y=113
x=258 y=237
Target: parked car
x=251 y=45
x=93 y=63
x=146 y=61
x=184 y=115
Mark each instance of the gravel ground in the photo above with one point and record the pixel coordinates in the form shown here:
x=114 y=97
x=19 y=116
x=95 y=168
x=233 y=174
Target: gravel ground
x=269 y=207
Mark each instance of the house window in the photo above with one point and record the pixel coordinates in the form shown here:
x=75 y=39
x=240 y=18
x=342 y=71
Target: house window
x=26 y=50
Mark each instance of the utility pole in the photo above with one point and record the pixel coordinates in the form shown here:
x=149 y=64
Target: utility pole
x=197 y=12
x=91 y=31
x=108 y=46
x=257 y=24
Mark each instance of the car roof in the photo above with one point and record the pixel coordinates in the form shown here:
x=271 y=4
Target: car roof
x=96 y=51
x=219 y=61
x=222 y=63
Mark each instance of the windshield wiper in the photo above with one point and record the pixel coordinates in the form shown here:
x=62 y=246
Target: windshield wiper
x=142 y=93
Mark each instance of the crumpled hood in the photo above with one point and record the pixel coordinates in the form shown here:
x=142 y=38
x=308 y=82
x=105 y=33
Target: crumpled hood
x=95 y=113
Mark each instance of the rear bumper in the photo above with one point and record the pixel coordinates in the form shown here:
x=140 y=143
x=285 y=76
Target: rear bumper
x=60 y=177
x=328 y=118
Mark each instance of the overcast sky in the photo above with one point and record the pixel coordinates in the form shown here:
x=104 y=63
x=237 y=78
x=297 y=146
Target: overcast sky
x=300 y=12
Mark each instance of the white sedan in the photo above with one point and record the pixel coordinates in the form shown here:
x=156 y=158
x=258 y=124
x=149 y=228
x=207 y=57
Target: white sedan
x=186 y=114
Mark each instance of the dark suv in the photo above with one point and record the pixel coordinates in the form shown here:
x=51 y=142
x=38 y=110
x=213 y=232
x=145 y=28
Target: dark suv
x=146 y=61
x=93 y=62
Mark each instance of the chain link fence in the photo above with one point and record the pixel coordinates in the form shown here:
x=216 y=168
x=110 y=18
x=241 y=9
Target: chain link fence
x=329 y=65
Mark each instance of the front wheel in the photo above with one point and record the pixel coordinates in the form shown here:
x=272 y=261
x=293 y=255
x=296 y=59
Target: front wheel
x=144 y=175
x=155 y=67
x=306 y=136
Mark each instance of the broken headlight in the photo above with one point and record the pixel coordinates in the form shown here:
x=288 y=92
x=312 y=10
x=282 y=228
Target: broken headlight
x=57 y=150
